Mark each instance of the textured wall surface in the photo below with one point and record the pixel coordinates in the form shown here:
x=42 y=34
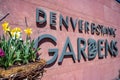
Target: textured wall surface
x=104 y=12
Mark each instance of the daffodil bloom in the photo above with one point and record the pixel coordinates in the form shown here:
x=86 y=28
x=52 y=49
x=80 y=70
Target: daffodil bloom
x=28 y=31
x=18 y=35
x=17 y=29
x=5 y=27
x=16 y=32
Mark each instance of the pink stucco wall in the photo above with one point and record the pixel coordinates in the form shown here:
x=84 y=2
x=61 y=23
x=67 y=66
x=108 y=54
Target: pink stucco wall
x=105 y=12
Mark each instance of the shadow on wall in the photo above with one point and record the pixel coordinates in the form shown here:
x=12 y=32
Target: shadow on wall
x=118 y=77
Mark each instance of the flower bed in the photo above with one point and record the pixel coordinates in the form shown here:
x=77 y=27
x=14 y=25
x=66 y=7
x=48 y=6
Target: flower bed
x=18 y=58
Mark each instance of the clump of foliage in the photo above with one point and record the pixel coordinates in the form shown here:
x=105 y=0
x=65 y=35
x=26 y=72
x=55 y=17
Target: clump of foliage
x=13 y=49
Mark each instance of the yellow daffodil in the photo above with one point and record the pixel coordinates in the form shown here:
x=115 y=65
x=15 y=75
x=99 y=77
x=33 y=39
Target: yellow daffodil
x=18 y=35
x=17 y=29
x=5 y=27
x=28 y=31
x=16 y=32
